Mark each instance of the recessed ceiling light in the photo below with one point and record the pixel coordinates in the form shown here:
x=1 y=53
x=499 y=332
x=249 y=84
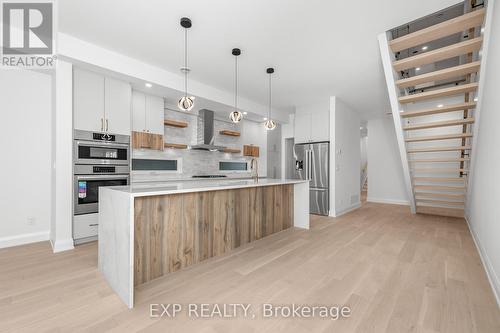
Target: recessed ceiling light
x=440 y=105
x=244 y=112
x=475 y=99
x=361 y=128
x=265 y=118
x=148 y=85
x=424 y=48
x=417 y=69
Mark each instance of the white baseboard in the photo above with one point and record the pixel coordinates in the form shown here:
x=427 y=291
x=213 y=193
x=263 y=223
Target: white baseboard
x=347 y=210
x=24 y=239
x=388 y=201
x=62 y=245
x=488 y=267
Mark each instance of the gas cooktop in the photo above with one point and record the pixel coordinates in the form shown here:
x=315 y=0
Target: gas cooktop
x=209 y=176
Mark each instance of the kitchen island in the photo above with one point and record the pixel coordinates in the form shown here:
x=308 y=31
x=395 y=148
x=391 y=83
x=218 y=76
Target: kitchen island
x=149 y=230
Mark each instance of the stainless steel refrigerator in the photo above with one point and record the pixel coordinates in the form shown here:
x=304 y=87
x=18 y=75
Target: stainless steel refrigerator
x=312 y=162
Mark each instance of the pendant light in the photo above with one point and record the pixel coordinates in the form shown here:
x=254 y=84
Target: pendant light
x=270 y=124
x=186 y=102
x=236 y=115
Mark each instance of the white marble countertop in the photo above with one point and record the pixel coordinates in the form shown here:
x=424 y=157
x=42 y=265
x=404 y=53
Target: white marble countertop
x=162 y=188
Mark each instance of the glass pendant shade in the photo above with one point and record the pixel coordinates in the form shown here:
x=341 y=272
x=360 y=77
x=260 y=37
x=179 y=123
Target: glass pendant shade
x=270 y=124
x=235 y=116
x=186 y=103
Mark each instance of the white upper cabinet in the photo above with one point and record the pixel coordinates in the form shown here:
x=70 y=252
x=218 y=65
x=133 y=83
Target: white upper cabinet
x=302 y=128
x=100 y=104
x=138 y=111
x=118 y=96
x=147 y=113
x=155 y=114
x=88 y=100
x=312 y=127
x=320 y=126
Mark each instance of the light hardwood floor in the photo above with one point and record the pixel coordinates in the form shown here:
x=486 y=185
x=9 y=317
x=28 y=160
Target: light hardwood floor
x=398 y=273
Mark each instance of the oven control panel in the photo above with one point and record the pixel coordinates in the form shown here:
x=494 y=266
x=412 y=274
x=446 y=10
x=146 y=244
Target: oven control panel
x=104 y=169
x=103 y=137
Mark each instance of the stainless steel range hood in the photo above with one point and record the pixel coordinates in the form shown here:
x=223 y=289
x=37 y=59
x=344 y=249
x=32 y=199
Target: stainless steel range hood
x=205 y=132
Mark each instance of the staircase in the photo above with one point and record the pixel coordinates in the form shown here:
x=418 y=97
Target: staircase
x=432 y=84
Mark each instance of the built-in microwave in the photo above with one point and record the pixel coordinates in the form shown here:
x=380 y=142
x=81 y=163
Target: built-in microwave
x=99 y=148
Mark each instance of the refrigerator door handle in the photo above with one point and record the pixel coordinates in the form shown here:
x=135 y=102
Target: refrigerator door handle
x=306 y=168
x=310 y=164
x=308 y=171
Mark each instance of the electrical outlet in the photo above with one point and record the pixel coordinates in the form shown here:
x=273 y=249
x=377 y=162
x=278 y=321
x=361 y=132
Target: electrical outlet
x=31 y=221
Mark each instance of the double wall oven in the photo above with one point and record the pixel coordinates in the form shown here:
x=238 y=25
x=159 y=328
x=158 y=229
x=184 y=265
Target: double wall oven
x=99 y=159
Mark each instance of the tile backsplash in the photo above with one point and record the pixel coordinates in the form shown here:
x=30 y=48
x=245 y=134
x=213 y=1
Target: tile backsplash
x=200 y=162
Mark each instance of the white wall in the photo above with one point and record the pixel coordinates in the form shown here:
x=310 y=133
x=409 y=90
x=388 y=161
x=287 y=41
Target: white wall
x=385 y=174
x=345 y=158
x=483 y=210
x=25 y=172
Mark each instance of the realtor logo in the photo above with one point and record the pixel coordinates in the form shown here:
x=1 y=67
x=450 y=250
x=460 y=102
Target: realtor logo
x=27 y=30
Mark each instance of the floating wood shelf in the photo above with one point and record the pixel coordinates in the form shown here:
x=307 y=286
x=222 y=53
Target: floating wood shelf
x=232 y=151
x=175 y=145
x=230 y=133
x=175 y=123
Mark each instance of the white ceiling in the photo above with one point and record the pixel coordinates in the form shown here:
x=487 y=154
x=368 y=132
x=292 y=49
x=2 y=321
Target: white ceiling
x=318 y=47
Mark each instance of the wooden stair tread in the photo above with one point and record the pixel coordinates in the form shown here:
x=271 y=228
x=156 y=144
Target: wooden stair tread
x=444 y=123
x=446 y=108
x=440 y=211
x=442 y=74
x=455 y=25
x=446 y=202
x=431 y=160
x=455 y=90
x=440 y=195
x=439 y=179
x=439 y=187
x=454 y=50
x=437 y=149
x=439 y=137
x=175 y=145
x=438 y=170
x=230 y=133
x=175 y=123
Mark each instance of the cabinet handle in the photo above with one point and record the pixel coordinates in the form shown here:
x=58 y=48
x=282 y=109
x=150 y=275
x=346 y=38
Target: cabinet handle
x=102 y=124
x=93 y=225
x=107 y=125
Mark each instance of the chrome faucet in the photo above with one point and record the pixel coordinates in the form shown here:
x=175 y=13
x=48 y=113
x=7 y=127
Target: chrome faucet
x=254 y=166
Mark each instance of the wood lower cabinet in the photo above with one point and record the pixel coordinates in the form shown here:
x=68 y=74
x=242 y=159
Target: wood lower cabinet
x=178 y=230
x=144 y=140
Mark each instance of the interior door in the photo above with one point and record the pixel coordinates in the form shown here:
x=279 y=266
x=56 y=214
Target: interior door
x=319 y=165
x=300 y=153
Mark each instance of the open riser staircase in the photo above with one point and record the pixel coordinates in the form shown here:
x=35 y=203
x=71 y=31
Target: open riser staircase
x=433 y=100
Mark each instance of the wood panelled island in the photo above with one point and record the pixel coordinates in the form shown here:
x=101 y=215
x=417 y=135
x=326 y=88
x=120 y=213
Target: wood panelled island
x=148 y=231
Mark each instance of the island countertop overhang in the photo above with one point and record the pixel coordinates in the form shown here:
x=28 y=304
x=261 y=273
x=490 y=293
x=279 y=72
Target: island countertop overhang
x=166 y=188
